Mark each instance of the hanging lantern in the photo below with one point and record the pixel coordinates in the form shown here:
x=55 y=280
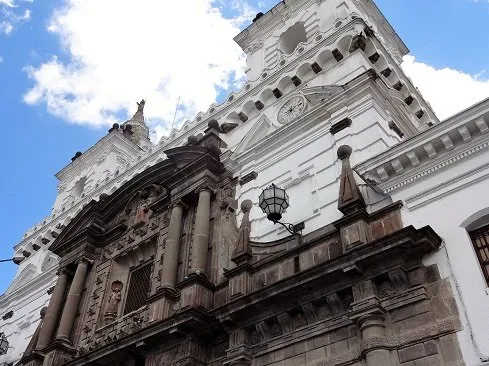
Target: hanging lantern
x=274 y=201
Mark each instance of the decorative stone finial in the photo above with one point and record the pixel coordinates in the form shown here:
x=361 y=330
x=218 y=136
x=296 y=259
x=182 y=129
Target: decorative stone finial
x=213 y=125
x=246 y=206
x=77 y=155
x=192 y=140
x=258 y=16
x=350 y=199
x=344 y=152
x=115 y=127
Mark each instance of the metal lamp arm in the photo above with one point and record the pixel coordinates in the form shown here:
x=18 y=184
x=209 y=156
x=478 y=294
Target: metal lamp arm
x=293 y=229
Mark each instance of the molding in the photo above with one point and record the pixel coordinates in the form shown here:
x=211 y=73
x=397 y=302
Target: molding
x=430 y=167
x=437 y=131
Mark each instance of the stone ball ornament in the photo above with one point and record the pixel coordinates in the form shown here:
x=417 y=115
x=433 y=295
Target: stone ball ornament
x=274 y=201
x=344 y=152
x=246 y=205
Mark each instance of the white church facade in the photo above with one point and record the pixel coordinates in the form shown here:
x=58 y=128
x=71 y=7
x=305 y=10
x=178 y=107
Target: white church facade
x=320 y=75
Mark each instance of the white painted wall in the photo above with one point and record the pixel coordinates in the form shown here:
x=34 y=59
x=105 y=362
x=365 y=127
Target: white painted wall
x=459 y=198
x=26 y=296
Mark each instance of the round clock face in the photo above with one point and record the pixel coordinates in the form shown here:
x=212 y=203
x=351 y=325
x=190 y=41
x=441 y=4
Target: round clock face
x=291 y=110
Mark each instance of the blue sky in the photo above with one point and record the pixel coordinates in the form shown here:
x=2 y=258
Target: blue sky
x=69 y=71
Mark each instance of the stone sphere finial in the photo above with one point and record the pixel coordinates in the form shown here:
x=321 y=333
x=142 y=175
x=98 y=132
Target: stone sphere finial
x=213 y=124
x=115 y=126
x=43 y=311
x=344 y=152
x=246 y=205
x=258 y=16
x=192 y=140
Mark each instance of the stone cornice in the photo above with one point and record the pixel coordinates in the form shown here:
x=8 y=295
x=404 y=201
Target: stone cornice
x=437 y=148
x=407 y=242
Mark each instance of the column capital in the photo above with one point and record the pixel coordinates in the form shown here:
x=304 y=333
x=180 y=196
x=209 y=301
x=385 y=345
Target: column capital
x=177 y=203
x=86 y=260
x=63 y=271
x=205 y=187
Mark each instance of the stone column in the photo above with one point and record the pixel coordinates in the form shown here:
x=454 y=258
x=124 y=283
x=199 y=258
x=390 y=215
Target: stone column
x=52 y=313
x=72 y=301
x=172 y=247
x=201 y=232
x=372 y=327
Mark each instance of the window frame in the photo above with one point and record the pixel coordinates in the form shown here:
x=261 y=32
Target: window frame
x=481 y=233
x=149 y=263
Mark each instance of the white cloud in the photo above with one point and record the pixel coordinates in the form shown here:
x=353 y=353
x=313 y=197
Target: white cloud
x=9 y=3
x=11 y=15
x=122 y=51
x=6 y=27
x=447 y=90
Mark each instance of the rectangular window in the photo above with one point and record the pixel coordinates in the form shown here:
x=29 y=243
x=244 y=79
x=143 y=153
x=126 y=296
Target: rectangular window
x=139 y=286
x=480 y=240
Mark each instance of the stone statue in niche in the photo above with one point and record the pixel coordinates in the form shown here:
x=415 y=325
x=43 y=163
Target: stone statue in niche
x=299 y=320
x=139 y=208
x=255 y=337
x=275 y=330
x=228 y=203
x=113 y=304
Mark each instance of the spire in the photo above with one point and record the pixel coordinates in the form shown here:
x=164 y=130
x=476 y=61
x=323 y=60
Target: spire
x=139 y=131
x=350 y=199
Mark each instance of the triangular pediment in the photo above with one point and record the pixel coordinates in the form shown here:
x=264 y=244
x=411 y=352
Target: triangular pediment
x=321 y=94
x=259 y=131
x=27 y=274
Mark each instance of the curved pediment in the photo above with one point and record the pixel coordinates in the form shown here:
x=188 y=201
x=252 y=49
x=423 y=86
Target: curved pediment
x=127 y=206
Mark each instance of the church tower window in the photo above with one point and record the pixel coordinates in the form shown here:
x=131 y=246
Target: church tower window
x=292 y=37
x=79 y=187
x=480 y=241
x=139 y=286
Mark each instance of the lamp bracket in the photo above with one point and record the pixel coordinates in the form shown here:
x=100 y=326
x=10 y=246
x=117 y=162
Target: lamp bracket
x=293 y=229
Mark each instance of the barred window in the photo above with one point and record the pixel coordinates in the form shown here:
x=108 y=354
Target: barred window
x=480 y=240
x=139 y=286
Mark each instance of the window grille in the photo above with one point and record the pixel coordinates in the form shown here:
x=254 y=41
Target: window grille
x=480 y=240
x=139 y=286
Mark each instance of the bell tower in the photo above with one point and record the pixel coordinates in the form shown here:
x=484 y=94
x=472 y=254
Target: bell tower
x=316 y=35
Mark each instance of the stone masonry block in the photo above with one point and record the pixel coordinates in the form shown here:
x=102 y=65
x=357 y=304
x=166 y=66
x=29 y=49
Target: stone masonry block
x=335 y=249
x=434 y=360
x=418 y=321
x=339 y=335
x=339 y=347
x=296 y=361
x=431 y=348
x=412 y=353
x=450 y=349
x=299 y=348
x=315 y=355
x=289 y=351
x=405 y=312
x=321 y=341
